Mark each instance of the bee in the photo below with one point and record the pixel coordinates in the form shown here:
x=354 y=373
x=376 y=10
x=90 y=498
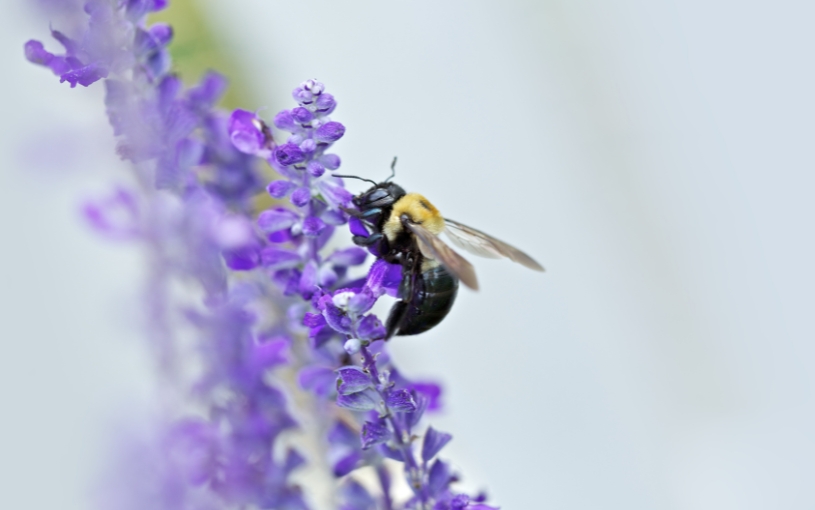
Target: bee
x=404 y=229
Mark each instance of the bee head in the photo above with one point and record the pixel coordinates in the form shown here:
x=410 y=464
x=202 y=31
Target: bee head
x=381 y=195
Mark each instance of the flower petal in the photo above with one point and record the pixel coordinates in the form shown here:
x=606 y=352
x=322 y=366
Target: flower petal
x=276 y=219
x=360 y=303
x=289 y=154
x=246 y=131
x=337 y=319
x=401 y=401
x=361 y=401
x=357 y=227
x=301 y=196
x=84 y=75
x=371 y=328
x=355 y=497
x=301 y=115
x=242 y=258
x=390 y=453
x=347 y=464
x=341 y=434
x=308 y=281
x=335 y=195
x=312 y=226
x=333 y=217
x=330 y=161
x=374 y=433
x=162 y=33
x=439 y=478
x=272 y=352
x=315 y=168
x=316 y=379
x=352 y=379
x=279 y=258
x=329 y=132
x=353 y=256
x=325 y=104
x=433 y=442
x=279 y=189
x=431 y=391
x=313 y=320
x=284 y=120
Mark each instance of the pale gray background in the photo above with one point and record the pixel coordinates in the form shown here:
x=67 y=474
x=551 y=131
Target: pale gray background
x=655 y=156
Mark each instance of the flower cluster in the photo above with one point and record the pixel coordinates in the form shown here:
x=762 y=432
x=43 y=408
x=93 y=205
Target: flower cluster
x=192 y=212
x=114 y=42
x=231 y=451
x=272 y=296
x=385 y=408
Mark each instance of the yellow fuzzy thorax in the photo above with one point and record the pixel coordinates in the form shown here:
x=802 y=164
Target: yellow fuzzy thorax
x=419 y=210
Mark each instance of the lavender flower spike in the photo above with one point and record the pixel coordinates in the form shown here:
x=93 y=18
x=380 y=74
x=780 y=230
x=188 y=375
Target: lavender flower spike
x=264 y=291
x=386 y=406
x=220 y=443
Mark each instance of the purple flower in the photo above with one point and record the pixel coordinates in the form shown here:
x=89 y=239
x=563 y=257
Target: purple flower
x=374 y=433
x=276 y=219
x=196 y=230
x=438 y=480
x=353 y=256
x=401 y=401
x=279 y=189
x=289 y=154
x=116 y=216
x=313 y=226
x=315 y=168
x=433 y=442
x=370 y=328
x=352 y=380
x=355 y=497
x=112 y=42
x=329 y=132
x=361 y=401
x=430 y=391
x=249 y=134
x=222 y=448
x=317 y=379
x=344 y=453
x=301 y=196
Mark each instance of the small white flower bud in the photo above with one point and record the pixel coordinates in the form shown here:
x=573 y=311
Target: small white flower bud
x=352 y=346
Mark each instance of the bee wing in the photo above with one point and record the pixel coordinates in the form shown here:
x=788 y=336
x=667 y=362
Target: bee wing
x=435 y=248
x=479 y=243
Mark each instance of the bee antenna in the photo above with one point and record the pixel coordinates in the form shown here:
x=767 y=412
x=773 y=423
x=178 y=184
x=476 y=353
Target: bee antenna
x=354 y=177
x=393 y=169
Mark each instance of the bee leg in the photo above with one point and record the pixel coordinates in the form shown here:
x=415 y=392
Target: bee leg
x=367 y=215
x=378 y=243
x=398 y=313
x=395 y=318
x=368 y=241
x=350 y=212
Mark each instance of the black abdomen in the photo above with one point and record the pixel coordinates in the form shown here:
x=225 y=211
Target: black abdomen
x=433 y=296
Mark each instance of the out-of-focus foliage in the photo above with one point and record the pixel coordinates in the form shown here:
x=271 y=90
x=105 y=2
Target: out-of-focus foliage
x=196 y=48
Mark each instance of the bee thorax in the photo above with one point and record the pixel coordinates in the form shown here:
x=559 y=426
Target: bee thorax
x=417 y=209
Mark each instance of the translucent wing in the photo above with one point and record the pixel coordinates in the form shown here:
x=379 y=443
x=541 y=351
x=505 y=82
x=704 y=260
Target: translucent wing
x=435 y=248
x=479 y=243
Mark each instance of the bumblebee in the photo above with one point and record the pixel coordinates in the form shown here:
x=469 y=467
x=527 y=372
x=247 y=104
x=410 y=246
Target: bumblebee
x=404 y=229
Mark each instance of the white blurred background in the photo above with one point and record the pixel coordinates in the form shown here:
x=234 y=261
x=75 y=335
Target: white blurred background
x=656 y=157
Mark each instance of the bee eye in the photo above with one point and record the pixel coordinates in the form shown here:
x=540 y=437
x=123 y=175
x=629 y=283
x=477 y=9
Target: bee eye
x=377 y=194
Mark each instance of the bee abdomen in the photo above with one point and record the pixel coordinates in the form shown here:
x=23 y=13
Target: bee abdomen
x=431 y=301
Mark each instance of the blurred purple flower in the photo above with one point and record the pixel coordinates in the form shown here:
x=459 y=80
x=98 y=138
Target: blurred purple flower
x=270 y=294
